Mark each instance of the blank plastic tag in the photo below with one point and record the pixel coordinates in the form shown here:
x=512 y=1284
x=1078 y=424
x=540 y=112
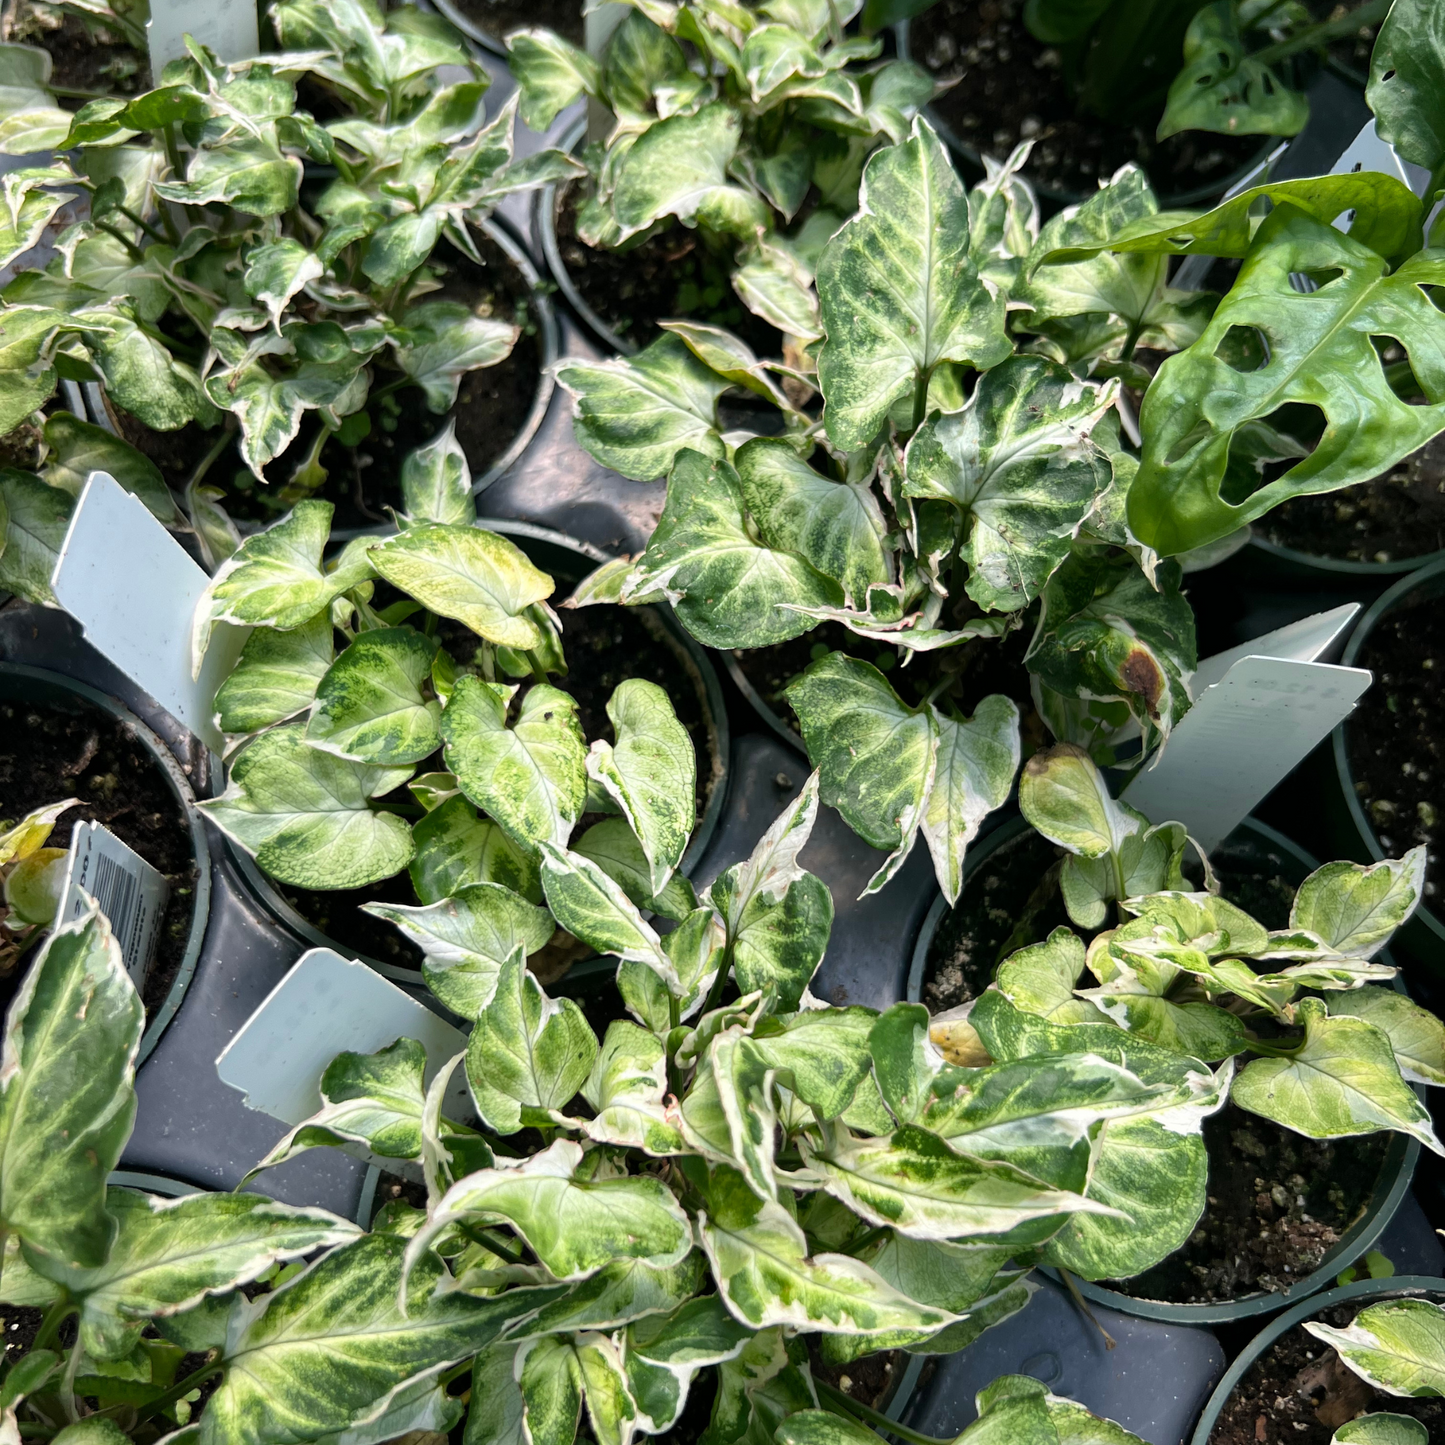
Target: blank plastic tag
x=130 y=893
x=134 y=590
x=226 y=27
x=328 y=1005
x=1318 y=638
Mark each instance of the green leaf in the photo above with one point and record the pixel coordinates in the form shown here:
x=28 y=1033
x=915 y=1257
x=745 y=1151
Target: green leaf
x=650 y=774
x=1407 y=66
x=26 y=381
x=67 y=1100
x=636 y=414
x=532 y=777
x=724 y=586
x=467 y=937
x=1017 y=462
x=468 y=574
x=249 y=173
x=1381 y=1429
x=1342 y=1080
x=276 y=676
x=1003 y=219
x=442 y=340
x=664 y=1353
x=1356 y=908
x=899 y=291
x=1040 y=980
x=551 y=74
x=626 y=1088
x=759 y=1258
x=436 y=483
x=590 y=906
x=1185 y=494
x=327 y=1350
x=454 y=848
x=276 y=271
x=837 y=527
x=35 y=520
x=821 y=1055
x=306 y=816
x=370 y=707
x=1415 y=1034
x=822 y=1427
x=528 y=1054
x=1397 y=1346
x=775 y=285
x=77 y=448
x=744 y=1086
x=575 y=1225
x=170 y=1254
x=614 y=848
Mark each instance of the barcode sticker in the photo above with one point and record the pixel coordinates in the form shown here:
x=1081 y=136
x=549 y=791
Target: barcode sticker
x=130 y=893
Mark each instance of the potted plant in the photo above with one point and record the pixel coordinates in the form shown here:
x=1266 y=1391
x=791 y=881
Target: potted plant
x=1255 y=1213
x=225 y=298
x=737 y=147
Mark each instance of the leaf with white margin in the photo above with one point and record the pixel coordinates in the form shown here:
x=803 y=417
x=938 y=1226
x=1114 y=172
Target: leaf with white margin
x=696 y=948
x=744 y=1084
x=455 y=848
x=305 y=816
x=1381 y=1429
x=448 y=1151
x=276 y=675
x=469 y=574
x=1342 y=1080
x=1040 y=979
x=775 y=285
x=1003 y=219
x=1064 y=795
x=630 y=1289
x=436 y=482
x=551 y=74
x=1415 y=1034
x=899 y=292
x=615 y=849
x=276 y=271
x=445 y=339
x=574 y=1225
x=973 y=774
x=329 y=1349
x=34 y=518
x=724 y=586
x=466 y=939
x=1135 y=1000
x=664 y=1352
x=836 y=526
x=635 y=414
x=760 y=1260
x=1018 y=463
x=874 y=754
x=1356 y=908
x=77 y=449
x=650 y=773
x=732 y=358
x=423 y=1407
x=820 y=1054
x=1077 y=1426
x=25 y=837
x=558 y=1374
x=67 y=1097
x=626 y=1089
x=532 y=777
x=1397 y=1346
x=170 y=1254
x=528 y=1054
x=370 y=706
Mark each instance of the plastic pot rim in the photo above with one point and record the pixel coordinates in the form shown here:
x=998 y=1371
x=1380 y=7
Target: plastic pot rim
x=1378 y=610
x=754 y=700
x=492 y=44
x=1333 y=567
x=180 y=787
x=270 y=896
x=1173 y=199
x=1398 y=1165
x=1406 y=1284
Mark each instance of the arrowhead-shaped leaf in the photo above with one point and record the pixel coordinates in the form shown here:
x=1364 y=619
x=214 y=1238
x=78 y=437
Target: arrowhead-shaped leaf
x=436 y=482
x=1415 y=1034
x=370 y=706
x=1397 y=1346
x=455 y=848
x=276 y=675
x=1355 y=908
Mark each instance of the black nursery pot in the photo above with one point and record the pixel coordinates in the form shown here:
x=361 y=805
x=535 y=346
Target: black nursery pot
x=567 y=560
x=563 y=16
x=174 y=962
x=1356 y=1297
x=1250 y=844
x=1423 y=937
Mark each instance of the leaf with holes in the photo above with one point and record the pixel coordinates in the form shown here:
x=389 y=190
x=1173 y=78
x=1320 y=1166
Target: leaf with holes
x=1407 y=68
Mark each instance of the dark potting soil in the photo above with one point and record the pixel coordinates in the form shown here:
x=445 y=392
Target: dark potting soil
x=868 y=1380
x=1401 y=514
x=1010 y=87
x=176 y=454
x=1300 y=1392
x=498 y=18
x=20 y=447
x=84 y=56
x=668 y=277
x=1351 y=53
x=604 y=646
x=1395 y=747
x=1278 y=1203
x=50 y=753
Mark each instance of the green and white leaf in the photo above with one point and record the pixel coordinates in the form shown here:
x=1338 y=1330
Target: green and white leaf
x=1415 y=1034
x=1397 y=1346
x=1356 y=908
x=370 y=706
x=276 y=675
x=436 y=482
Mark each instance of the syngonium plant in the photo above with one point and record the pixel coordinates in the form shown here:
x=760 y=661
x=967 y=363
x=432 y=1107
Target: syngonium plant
x=583 y=1280
x=33 y=876
x=206 y=284
x=1301 y=1023
x=751 y=126
x=968 y=477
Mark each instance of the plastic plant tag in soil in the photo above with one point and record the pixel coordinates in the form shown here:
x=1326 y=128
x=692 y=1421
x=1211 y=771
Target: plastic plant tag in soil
x=226 y=27
x=132 y=588
x=130 y=893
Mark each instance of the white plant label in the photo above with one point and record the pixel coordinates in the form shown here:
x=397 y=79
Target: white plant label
x=226 y=27
x=328 y=1005
x=130 y=893
x=134 y=590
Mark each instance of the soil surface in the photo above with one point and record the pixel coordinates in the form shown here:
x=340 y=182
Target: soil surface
x=1351 y=53
x=1301 y=1392
x=52 y=753
x=84 y=56
x=604 y=646
x=1278 y=1203
x=1401 y=514
x=867 y=1380
x=1394 y=742
x=499 y=18
x=1008 y=87
x=670 y=276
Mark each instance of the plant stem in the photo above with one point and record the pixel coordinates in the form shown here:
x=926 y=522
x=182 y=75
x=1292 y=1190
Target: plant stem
x=176 y=1391
x=67 y=1387
x=1275 y=1051
x=714 y=994
x=873 y=1235
x=1132 y=340
x=920 y=401
x=1313 y=36
x=1073 y=1287
x=55 y=1316
x=843 y=1404
x=145 y=226
x=136 y=254
x=211 y=457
